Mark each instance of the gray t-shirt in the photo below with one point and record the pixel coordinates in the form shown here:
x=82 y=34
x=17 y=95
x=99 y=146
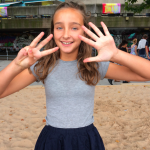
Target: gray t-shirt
x=69 y=100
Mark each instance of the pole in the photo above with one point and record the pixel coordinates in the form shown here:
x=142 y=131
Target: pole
x=7 y=53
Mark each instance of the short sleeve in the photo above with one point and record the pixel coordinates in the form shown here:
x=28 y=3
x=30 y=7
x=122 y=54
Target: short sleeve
x=146 y=43
x=103 y=67
x=33 y=72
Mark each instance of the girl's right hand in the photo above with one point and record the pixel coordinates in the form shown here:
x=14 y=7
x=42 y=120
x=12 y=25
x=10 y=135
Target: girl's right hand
x=28 y=55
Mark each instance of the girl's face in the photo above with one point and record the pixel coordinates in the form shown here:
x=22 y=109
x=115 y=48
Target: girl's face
x=125 y=45
x=67 y=28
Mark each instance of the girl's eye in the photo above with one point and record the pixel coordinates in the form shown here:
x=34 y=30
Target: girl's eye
x=59 y=28
x=75 y=28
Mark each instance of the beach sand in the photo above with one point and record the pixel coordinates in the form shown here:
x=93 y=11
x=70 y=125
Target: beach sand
x=121 y=112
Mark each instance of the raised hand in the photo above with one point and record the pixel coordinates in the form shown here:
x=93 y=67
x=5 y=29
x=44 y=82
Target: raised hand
x=104 y=44
x=28 y=55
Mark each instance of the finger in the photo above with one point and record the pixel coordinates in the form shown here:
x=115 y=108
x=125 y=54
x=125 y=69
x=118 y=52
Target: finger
x=50 y=51
x=30 y=53
x=91 y=59
x=91 y=34
x=86 y=40
x=25 y=53
x=22 y=53
x=105 y=28
x=36 y=40
x=44 y=42
x=98 y=32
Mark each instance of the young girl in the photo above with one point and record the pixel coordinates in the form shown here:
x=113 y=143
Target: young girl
x=70 y=75
x=134 y=47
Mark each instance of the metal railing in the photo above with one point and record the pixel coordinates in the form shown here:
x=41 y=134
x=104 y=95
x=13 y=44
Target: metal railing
x=8 y=55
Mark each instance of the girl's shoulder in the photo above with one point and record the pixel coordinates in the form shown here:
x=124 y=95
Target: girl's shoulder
x=133 y=45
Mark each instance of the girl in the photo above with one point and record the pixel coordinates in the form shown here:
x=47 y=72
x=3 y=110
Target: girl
x=134 y=47
x=70 y=75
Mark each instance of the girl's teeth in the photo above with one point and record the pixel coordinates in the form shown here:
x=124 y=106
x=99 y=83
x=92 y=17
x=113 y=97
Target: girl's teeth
x=66 y=43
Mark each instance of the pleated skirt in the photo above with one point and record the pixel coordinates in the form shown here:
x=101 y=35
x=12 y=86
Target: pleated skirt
x=85 y=138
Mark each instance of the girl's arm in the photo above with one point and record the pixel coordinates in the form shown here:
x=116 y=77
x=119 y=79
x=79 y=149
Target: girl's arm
x=137 y=64
x=19 y=81
x=16 y=76
x=136 y=50
x=134 y=68
x=7 y=74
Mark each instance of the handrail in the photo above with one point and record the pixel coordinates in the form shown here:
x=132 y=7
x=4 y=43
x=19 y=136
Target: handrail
x=7 y=55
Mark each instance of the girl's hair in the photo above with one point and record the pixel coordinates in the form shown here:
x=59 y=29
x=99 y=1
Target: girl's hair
x=87 y=72
x=134 y=41
x=123 y=43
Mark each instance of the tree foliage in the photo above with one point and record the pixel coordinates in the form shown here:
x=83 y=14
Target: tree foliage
x=131 y=6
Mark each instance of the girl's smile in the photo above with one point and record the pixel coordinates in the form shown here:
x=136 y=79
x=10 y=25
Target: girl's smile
x=66 y=43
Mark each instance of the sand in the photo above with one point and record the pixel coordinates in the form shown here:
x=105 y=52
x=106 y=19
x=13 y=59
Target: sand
x=122 y=117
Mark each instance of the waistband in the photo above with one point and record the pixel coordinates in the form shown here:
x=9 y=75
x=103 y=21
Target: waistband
x=80 y=130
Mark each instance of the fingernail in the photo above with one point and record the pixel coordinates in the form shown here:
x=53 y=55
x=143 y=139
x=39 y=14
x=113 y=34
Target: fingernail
x=25 y=53
x=30 y=51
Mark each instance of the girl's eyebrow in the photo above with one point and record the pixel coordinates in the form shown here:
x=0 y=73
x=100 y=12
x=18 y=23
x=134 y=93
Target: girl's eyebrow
x=70 y=23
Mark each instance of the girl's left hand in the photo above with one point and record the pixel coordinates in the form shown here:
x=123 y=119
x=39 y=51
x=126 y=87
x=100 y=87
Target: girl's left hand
x=104 y=44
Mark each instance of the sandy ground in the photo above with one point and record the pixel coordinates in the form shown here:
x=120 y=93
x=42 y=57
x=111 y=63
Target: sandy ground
x=122 y=116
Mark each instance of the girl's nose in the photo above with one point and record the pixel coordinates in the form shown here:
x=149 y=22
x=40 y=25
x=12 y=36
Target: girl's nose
x=66 y=34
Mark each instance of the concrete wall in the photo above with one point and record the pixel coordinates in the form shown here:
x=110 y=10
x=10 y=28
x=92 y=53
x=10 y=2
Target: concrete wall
x=104 y=1
x=121 y=22
x=115 y=22
x=96 y=10
x=49 y=10
x=30 y=10
x=25 y=23
x=19 y=11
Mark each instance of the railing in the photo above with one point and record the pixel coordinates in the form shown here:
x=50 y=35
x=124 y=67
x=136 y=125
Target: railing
x=8 y=55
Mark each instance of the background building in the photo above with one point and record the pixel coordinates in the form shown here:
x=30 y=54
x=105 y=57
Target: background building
x=21 y=21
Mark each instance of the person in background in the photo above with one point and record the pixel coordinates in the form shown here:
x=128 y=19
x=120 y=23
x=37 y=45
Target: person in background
x=143 y=47
x=123 y=46
x=134 y=47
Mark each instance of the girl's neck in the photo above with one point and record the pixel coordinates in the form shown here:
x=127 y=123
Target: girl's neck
x=68 y=57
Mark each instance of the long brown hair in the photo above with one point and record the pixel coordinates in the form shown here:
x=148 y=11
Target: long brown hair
x=87 y=72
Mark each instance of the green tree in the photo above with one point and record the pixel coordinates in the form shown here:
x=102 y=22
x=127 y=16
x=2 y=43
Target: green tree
x=131 y=6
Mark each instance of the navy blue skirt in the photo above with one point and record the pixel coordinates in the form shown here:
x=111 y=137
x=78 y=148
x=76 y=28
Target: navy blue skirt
x=85 y=138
